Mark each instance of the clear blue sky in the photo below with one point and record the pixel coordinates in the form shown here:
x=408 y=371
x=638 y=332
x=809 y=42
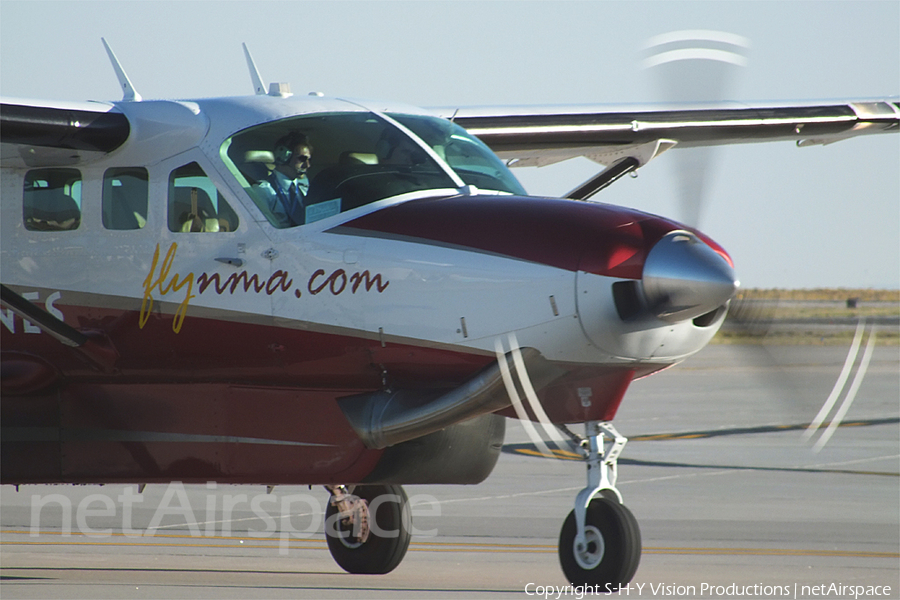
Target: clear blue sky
x=790 y=217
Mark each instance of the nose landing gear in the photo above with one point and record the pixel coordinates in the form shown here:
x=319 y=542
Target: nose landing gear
x=600 y=542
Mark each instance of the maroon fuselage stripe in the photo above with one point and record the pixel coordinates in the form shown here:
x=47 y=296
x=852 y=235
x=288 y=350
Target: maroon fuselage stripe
x=567 y=234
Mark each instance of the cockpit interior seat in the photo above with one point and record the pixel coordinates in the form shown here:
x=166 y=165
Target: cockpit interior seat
x=358 y=158
x=50 y=209
x=257 y=165
x=192 y=210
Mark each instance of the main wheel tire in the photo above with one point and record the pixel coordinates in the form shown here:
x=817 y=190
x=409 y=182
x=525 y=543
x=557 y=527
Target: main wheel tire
x=389 y=532
x=613 y=546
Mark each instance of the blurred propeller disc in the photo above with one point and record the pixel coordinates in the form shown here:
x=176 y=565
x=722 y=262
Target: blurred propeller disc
x=769 y=324
x=534 y=404
x=690 y=67
x=839 y=387
x=701 y=66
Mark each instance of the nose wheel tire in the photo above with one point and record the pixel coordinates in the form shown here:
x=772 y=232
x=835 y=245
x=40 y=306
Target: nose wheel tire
x=388 y=537
x=611 y=550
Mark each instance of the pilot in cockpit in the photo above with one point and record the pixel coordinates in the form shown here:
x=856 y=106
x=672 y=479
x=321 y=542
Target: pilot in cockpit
x=286 y=187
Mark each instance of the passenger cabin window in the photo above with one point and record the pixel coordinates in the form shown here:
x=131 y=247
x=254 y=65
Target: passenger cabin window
x=52 y=200
x=195 y=204
x=125 y=194
x=304 y=169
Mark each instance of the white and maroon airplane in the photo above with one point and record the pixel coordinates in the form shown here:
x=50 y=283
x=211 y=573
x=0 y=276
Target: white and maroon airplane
x=172 y=314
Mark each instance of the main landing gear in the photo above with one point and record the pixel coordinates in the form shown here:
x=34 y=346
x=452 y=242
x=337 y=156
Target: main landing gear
x=600 y=542
x=367 y=527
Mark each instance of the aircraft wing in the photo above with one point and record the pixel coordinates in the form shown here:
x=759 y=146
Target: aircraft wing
x=57 y=134
x=526 y=136
x=36 y=134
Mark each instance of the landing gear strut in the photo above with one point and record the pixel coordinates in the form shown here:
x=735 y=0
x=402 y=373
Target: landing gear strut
x=367 y=527
x=600 y=542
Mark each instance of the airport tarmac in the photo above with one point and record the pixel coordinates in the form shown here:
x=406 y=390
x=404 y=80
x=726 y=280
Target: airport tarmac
x=729 y=496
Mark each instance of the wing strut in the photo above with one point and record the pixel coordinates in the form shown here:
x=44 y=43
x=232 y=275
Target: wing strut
x=604 y=178
x=95 y=347
x=619 y=162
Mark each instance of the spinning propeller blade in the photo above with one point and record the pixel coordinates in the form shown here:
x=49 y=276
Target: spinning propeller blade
x=701 y=66
x=758 y=320
x=690 y=67
x=840 y=385
x=551 y=432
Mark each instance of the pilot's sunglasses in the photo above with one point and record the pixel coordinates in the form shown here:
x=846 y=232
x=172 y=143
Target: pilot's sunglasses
x=303 y=158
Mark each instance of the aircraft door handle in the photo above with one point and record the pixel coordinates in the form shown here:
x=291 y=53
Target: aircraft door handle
x=234 y=262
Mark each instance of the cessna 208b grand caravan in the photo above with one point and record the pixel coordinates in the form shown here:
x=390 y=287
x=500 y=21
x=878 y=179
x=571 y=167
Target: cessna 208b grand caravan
x=169 y=315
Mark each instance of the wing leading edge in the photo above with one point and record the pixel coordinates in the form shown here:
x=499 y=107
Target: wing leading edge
x=538 y=137
x=33 y=135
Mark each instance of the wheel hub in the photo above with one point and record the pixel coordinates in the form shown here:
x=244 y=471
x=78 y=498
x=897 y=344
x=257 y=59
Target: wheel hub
x=589 y=553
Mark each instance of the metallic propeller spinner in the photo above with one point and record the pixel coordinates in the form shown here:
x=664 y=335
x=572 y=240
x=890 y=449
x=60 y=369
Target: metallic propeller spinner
x=684 y=278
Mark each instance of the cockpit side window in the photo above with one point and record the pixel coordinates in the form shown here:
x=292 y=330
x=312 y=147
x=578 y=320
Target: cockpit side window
x=196 y=205
x=304 y=169
x=52 y=200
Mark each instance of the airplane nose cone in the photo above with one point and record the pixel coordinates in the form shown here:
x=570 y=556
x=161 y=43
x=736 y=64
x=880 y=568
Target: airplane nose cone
x=684 y=278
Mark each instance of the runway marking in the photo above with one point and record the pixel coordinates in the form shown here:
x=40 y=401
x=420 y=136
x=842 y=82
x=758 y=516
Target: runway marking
x=558 y=453
x=524 y=449
x=693 y=435
x=148 y=540
x=814 y=468
x=757 y=429
x=771 y=552
x=464 y=547
x=217 y=521
x=149 y=545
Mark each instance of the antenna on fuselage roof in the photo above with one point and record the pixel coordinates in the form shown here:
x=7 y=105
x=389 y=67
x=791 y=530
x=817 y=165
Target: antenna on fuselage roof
x=129 y=94
x=259 y=87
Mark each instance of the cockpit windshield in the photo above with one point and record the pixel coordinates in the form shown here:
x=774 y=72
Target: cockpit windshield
x=468 y=156
x=304 y=169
